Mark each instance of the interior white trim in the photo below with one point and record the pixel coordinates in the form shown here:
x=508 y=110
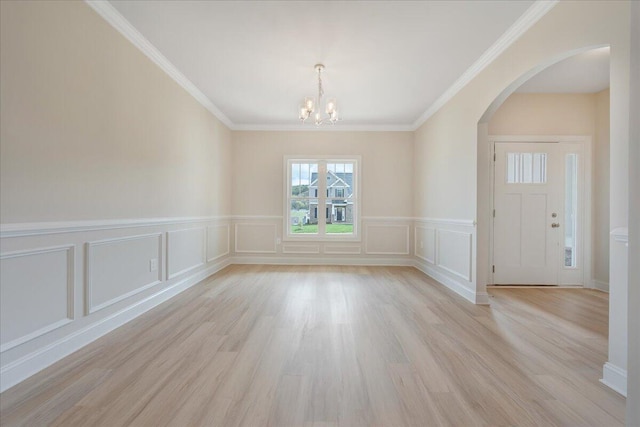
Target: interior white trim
x=620 y=234
x=124 y=27
x=299 y=127
x=587 y=152
x=228 y=242
x=407 y=249
x=388 y=218
x=255 y=217
x=481 y=298
x=600 y=285
x=203 y=259
x=615 y=378
x=70 y=253
x=536 y=11
x=466 y=275
x=342 y=249
x=368 y=261
x=39 y=228
x=416 y=243
x=89 y=308
x=447 y=221
x=254 y=251
x=19 y=370
x=292 y=248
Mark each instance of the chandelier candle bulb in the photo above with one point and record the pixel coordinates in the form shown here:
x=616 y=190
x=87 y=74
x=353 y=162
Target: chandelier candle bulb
x=308 y=106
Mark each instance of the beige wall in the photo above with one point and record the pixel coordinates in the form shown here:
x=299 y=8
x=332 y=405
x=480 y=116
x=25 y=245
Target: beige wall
x=92 y=129
x=569 y=114
x=545 y=114
x=456 y=130
x=386 y=168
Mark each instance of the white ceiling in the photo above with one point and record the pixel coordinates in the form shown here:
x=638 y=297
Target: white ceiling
x=587 y=72
x=387 y=62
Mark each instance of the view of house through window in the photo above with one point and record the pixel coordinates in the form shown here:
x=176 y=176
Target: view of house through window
x=314 y=184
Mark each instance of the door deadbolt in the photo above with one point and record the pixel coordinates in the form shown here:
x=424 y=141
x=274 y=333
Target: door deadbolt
x=553 y=215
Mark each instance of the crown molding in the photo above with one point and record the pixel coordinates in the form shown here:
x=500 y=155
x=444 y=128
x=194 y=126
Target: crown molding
x=124 y=27
x=324 y=128
x=536 y=11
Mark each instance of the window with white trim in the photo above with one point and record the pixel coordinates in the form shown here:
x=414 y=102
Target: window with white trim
x=322 y=198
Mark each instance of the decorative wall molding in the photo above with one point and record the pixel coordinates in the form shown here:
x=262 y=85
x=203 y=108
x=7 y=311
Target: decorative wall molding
x=256 y=217
x=89 y=261
x=22 y=368
x=431 y=241
x=356 y=261
x=69 y=251
x=172 y=258
x=42 y=228
x=289 y=248
x=614 y=377
x=210 y=256
x=600 y=285
x=342 y=249
x=405 y=231
x=536 y=11
x=124 y=27
x=338 y=128
x=446 y=221
x=443 y=261
x=446 y=281
x=387 y=218
x=270 y=249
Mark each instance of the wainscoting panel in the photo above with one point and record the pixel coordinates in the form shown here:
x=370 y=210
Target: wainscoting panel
x=300 y=249
x=342 y=249
x=186 y=250
x=36 y=293
x=121 y=267
x=218 y=241
x=454 y=252
x=56 y=298
x=425 y=242
x=444 y=250
x=255 y=238
x=387 y=239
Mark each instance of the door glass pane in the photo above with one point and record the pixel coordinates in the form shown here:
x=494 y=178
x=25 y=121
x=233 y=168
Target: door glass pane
x=526 y=168
x=570 y=210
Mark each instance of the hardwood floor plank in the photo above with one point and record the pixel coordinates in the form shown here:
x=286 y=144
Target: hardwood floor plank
x=335 y=346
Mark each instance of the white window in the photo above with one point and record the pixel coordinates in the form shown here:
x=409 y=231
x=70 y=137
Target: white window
x=322 y=198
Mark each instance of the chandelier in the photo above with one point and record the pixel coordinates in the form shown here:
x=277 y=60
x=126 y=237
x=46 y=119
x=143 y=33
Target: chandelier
x=309 y=105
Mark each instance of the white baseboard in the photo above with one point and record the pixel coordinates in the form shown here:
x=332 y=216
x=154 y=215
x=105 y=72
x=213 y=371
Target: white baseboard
x=368 y=261
x=23 y=368
x=600 y=285
x=615 y=378
x=451 y=283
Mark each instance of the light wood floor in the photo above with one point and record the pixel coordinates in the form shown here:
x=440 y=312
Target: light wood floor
x=323 y=346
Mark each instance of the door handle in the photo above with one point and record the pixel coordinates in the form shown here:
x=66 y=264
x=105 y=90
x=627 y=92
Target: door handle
x=555 y=225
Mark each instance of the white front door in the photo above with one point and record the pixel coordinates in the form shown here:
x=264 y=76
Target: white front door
x=536 y=223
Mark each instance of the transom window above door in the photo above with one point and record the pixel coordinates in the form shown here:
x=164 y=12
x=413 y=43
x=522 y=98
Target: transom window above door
x=322 y=201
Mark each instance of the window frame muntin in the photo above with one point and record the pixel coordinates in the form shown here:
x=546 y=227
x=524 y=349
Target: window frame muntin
x=322 y=159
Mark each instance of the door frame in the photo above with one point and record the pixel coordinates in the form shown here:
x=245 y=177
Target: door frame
x=586 y=207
